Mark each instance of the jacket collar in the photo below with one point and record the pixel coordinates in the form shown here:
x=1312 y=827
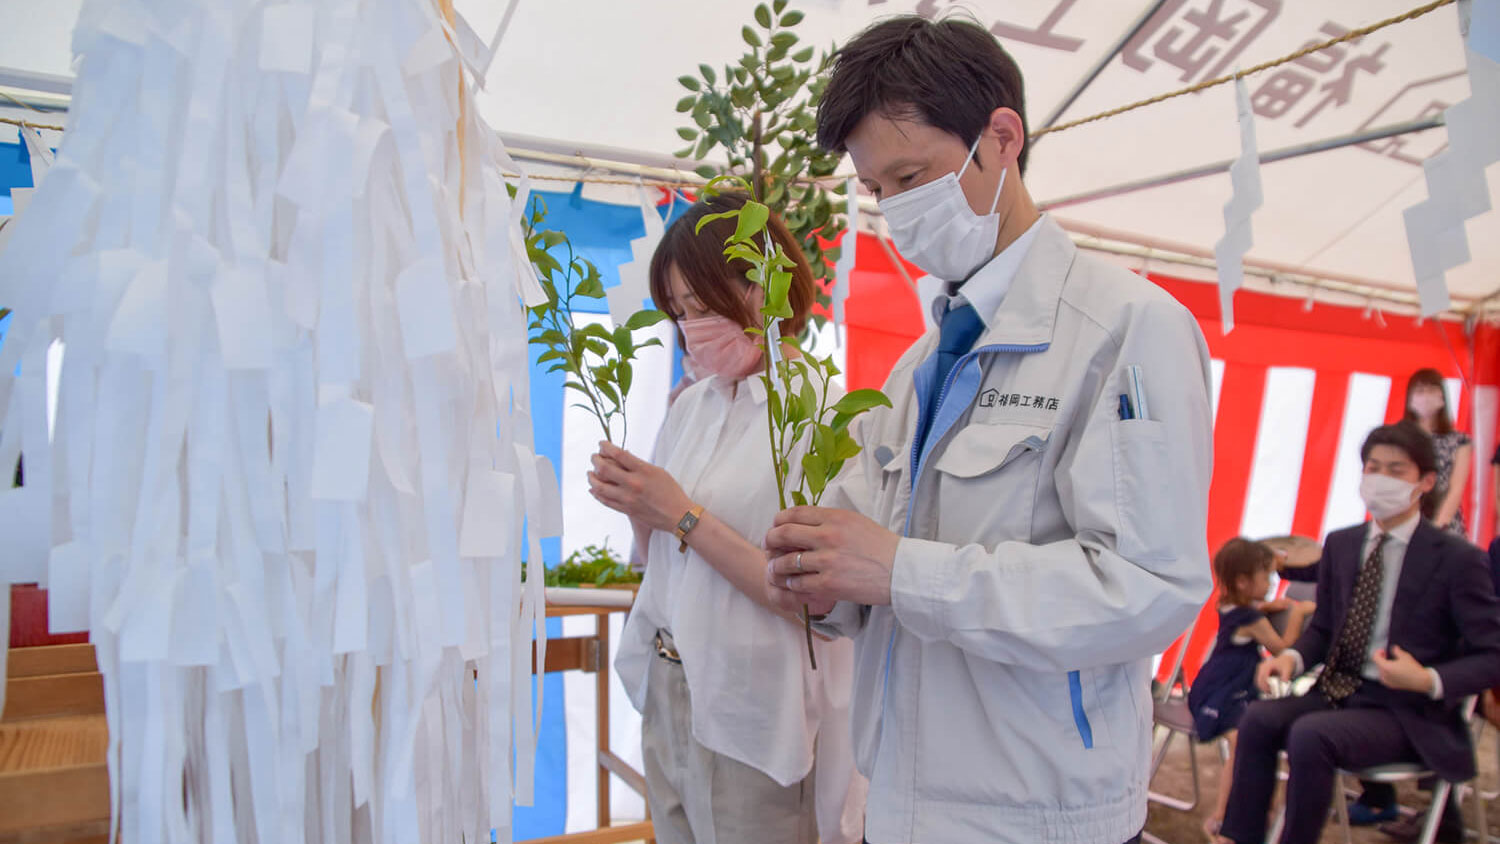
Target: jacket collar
x=1028 y=314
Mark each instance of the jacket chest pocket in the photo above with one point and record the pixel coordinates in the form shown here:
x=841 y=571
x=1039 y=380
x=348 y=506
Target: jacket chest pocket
x=894 y=492
x=1143 y=493
x=987 y=480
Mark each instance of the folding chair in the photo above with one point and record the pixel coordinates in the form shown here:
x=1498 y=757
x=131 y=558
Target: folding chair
x=1301 y=590
x=1171 y=718
x=1404 y=772
x=1480 y=724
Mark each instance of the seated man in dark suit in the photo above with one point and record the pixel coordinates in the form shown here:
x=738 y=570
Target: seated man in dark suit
x=1407 y=626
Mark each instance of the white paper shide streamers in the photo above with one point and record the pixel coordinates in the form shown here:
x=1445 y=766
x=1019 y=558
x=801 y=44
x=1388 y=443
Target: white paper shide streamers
x=634 y=288
x=1244 y=176
x=292 y=451
x=1456 y=185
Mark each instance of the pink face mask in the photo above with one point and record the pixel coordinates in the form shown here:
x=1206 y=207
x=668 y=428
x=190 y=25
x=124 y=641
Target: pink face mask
x=720 y=346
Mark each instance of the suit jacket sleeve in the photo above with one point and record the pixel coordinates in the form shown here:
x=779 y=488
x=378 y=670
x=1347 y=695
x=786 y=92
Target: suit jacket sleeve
x=1317 y=637
x=1303 y=574
x=1477 y=614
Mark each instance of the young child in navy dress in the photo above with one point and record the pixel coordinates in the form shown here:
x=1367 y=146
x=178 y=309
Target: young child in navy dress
x=1226 y=683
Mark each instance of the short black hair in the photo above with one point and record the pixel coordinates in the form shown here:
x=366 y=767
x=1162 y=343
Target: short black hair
x=950 y=74
x=1407 y=436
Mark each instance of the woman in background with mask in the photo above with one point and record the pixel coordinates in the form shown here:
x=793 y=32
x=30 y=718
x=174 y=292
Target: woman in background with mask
x=1427 y=405
x=732 y=712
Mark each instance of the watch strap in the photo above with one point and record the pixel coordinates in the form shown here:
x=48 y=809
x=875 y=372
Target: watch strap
x=688 y=521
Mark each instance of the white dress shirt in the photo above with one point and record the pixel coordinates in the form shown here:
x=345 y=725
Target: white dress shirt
x=754 y=696
x=1393 y=557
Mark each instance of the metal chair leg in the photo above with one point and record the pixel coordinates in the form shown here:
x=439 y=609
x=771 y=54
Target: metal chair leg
x=1167 y=800
x=1161 y=741
x=1480 y=813
x=1341 y=806
x=1435 y=813
x=1275 y=834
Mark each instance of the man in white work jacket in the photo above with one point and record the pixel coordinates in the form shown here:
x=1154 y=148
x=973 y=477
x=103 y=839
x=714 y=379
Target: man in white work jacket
x=1025 y=528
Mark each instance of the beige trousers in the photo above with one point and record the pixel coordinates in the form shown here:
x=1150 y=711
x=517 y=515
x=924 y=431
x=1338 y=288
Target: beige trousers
x=698 y=796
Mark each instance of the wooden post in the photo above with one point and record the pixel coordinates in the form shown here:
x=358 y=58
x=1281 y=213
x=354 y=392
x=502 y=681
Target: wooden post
x=601 y=686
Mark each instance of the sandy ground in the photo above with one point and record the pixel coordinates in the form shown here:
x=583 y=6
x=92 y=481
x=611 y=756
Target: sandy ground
x=1175 y=778
x=1178 y=827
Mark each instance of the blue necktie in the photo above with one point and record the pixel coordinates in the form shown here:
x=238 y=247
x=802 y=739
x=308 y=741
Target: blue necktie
x=960 y=328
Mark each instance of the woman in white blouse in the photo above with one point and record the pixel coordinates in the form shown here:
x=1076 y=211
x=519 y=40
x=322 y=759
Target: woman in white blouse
x=733 y=714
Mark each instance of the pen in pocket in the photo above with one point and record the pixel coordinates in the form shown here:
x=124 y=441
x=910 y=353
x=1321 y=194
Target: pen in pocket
x=1137 y=387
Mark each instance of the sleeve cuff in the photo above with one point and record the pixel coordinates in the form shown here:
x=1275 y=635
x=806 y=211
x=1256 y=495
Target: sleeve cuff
x=1297 y=665
x=919 y=577
x=1437 y=684
x=846 y=619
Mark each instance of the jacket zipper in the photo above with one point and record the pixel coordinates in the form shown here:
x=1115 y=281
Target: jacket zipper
x=916 y=472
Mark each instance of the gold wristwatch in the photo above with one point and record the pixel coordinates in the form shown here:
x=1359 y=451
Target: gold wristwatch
x=688 y=521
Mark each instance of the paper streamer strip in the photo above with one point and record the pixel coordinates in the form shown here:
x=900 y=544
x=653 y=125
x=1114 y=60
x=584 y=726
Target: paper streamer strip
x=39 y=152
x=1244 y=176
x=277 y=248
x=634 y=288
x=848 y=248
x=1483 y=33
x=1457 y=189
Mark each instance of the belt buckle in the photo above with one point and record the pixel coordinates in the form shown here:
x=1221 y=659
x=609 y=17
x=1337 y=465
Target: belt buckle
x=665 y=652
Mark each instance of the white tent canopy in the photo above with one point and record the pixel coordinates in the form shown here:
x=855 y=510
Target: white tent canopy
x=601 y=74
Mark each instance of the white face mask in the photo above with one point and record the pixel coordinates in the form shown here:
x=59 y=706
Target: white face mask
x=935 y=228
x=1385 y=496
x=1426 y=404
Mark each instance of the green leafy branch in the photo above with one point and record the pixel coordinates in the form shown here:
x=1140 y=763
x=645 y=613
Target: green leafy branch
x=798 y=414
x=762 y=113
x=596 y=361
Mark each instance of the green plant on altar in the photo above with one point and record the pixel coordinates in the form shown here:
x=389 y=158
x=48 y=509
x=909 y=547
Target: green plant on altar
x=761 y=112
x=798 y=413
x=591 y=565
x=596 y=360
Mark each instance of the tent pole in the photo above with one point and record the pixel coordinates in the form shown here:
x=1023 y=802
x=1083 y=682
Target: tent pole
x=30 y=80
x=1098 y=68
x=1311 y=282
x=600 y=156
x=1282 y=154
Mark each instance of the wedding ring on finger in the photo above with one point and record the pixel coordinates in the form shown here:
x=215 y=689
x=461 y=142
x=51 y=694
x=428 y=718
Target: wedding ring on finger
x=799 y=561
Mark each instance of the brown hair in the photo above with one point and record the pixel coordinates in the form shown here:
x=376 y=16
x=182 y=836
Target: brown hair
x=1443 y=422
x=717 y=281
x=1240 y=557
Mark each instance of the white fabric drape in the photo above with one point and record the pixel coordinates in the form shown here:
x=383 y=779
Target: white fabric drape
x=278 y=245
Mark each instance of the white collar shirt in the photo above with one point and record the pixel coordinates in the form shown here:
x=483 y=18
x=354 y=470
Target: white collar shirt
x=754 y=696
x=1393 y=557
